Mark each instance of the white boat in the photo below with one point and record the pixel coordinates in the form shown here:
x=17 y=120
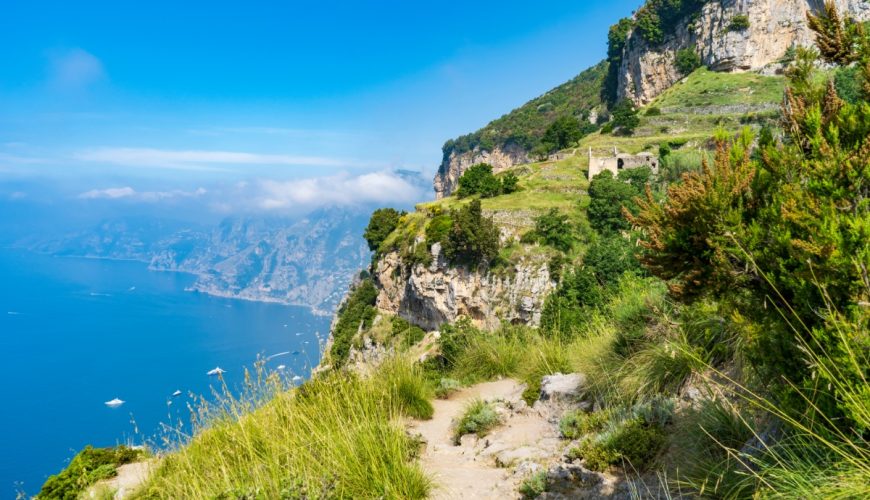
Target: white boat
x=216 y=371
x=296 y=379
x=281 y=368
x=115 y=403
x=176 y=394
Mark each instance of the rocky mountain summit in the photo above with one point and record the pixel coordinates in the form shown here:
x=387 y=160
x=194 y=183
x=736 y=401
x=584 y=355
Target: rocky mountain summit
x=729 y=36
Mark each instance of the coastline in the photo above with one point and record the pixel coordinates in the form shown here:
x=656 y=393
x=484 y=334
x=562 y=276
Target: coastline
x=314 y=310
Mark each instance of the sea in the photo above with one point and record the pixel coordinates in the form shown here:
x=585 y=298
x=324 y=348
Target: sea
x=76 y=333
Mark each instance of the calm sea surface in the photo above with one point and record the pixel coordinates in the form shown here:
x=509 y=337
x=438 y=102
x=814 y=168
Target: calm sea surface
x=75 y=333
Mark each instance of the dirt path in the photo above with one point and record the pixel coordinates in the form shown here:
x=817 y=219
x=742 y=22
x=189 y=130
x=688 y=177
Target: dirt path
x=492 y=467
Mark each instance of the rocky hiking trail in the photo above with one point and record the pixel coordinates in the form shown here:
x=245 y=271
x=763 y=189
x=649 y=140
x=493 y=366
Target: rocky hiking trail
x=526 y=441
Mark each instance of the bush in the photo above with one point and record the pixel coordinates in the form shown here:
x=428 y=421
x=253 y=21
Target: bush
x=446 y=387
x=554 y=229
x=383 y=222
x=478 y=417
x=653 y=111
x=625 y=118
x=86 y=468
x=509 y=183
x=607 y=197
x=438 y=229
x=610 y=257
x=563 y=132
x=358 y=310
x=740 y=22
x=568 y=307
x=687 y=61
x=633 y=443
x=478 y=179
x=534 y=485
x=578 y=423
x=473 y=239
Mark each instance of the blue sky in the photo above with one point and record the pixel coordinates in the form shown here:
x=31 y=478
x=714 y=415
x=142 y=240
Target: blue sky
x=185 y=97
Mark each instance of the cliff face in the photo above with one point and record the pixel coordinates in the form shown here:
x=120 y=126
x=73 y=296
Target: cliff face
x=451 y=169
x=774 y=27
x=431 y=296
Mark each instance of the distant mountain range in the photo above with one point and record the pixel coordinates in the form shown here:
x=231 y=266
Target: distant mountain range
x=308 y=261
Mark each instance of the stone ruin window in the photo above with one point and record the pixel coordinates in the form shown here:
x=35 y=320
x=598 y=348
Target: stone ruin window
x=620 y=164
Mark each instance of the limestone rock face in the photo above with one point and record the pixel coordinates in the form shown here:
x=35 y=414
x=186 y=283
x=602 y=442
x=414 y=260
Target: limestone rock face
x=451 y=169
x=774 y=27
x=438 y=294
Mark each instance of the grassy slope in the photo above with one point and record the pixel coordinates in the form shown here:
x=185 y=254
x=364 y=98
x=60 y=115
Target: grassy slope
x=290 y=444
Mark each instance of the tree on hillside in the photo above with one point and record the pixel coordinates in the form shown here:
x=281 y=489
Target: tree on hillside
x=478 y=179
x=473 y=239
x=607 y=197
x=381 y=224
x=554 y=229
x=625 y=118
x=563 y=132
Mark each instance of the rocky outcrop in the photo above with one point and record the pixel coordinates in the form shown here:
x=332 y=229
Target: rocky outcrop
x=437 y=294
x=451 y=169
x=774 y=27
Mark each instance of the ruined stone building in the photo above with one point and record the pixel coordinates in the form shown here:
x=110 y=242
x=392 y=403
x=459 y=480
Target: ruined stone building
x=620 y=161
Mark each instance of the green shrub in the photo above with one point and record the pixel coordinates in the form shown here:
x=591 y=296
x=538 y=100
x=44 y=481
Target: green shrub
x=610 y=257
x=607 y=197
x=632 y=444
x=563 y=132
x=625 y=118
x=383 y=222
x=438 y=229
x=478 y=417
x=509 y=183
x=568 y=307
x=555 y=265
x=554 y=229
x=358 y=310
x=478 y=180
x=473 y=239
x=454 y=340
x=534 y=485
x=849 y=83
x=408 y=333
x=578 y=423
x=687 y=61
x=86 y=468
x=446 y=387
x=653 y=111
x=740 y=22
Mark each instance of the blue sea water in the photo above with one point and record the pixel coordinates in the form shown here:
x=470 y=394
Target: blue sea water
x=75 y=333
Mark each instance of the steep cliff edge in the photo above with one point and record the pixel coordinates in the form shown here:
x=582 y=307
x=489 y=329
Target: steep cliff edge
x=765 y=30
x=430 y=296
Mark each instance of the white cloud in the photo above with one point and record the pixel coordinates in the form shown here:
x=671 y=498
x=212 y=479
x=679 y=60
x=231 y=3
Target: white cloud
x=203 y=159
x=128 y=192
x=340 y=190
x=75 y=69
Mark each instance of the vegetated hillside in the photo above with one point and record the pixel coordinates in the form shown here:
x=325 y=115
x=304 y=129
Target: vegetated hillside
x=713 y=319
x=517 y=136
x=525 y=126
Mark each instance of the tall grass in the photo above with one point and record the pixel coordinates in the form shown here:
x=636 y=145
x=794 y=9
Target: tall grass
x=336 y=436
